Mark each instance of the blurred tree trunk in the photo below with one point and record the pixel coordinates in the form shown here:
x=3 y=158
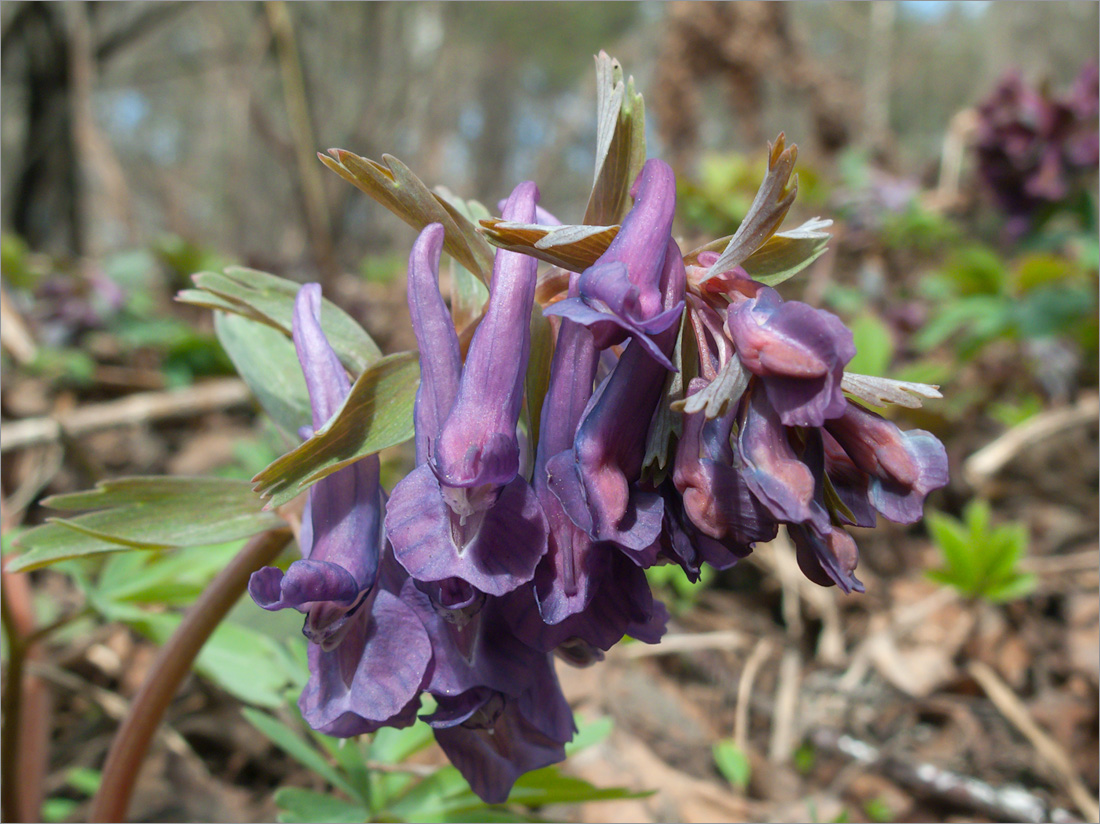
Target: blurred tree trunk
x=44 y=201
x=494 y=147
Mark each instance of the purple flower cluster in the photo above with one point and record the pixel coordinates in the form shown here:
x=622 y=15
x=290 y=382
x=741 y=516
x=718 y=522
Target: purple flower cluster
x=494 y=553
x=1032 y=147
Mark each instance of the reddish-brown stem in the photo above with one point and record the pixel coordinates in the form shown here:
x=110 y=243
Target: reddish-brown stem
x=172 y=664
x=26 y=708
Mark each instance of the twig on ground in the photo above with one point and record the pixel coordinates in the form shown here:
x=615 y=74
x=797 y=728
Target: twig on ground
x=1009 y=803
x=141 y=407
x=784 y=732
x=1052 y=753
x=980 y=467
x=112 y=704
x=688 y=642
x=752 y=666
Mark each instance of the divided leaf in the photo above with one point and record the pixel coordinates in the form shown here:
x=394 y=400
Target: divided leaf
x=269 y=299
x=571 y=247
x=772 y=202
x=884 y=391
x=377 y=413
x=403 y=193
x=145 y=513
x=620 y=143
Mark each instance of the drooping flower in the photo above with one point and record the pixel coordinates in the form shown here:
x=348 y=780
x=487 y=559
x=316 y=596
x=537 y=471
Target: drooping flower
x=465 y=512
x=370 y=652
x=903 y=467
x=799 y=353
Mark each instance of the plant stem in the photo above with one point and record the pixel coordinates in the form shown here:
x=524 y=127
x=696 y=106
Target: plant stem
x=10 y=794
x=171 y=666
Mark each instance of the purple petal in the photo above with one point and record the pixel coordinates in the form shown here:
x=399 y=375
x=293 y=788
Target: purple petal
x=440 y=357
x=370 y=679
x=773 y=472
x=492 y=759
x=478 y=444
x=500 y=547
x=326 y=379
x=827 y=560
x=645 y=233
x=798 y=350
x=903 y=466
x=716 y=497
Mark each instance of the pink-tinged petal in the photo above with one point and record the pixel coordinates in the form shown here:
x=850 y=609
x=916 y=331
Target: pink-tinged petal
x=370 y=679
x=799 y=352
x=440 y=357
x=771 y=469
x=495 y=551
x=477 y=445
x=716 y=497
x=851 y=484
x=827 y=559
x=903 y=466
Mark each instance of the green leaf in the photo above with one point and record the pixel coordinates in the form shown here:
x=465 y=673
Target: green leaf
x=954 y=543
x=145 y=513
x=549 y=786
x=266 y=359
x=620 y=143
x=164 y=578
x=1019 y=586
x=296 y=804
x=403 y=193
x=874 y=346
x=733 y=763
x=392 y=746
x=297 y=748
x=268 y=299
x=377 y=413
x=589 y=733
x=784 y=255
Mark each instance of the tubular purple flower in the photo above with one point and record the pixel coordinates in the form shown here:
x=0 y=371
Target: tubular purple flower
x=903 y=466
x=596 y=480
x=620 y=295
x=826 y=559
x=370 y=652
x=342 y=531
x=799 y=352
x=464 y=512
x=477 y=445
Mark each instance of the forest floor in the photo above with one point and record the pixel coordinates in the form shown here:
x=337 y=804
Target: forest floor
x=908 y=703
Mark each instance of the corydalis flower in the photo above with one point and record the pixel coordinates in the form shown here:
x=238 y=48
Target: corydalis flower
x=370 y=652
x=596 y=480
x=620 y=295
x=342 y=523
x=465 y=512
x=798 y=352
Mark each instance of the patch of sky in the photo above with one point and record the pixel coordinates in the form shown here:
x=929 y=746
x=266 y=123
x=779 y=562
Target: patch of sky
x=935 y=9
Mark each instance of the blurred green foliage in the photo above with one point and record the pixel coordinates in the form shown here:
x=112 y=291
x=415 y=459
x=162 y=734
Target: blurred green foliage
x=980 y=560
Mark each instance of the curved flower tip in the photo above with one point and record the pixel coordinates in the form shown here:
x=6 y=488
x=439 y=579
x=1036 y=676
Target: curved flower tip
x=436 y=338
x=783 y=483
x=373 y=678
x=495 y=550
x=477 y=444
x=903 y=466
x=326 y=380
x=620 y=295
x=829 y=559
x=800 y=353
